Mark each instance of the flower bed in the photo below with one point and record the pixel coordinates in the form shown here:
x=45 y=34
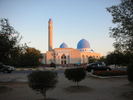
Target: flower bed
x=110 y=73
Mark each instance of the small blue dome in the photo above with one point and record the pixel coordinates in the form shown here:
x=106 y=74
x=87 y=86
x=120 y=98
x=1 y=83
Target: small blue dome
x=83 y=44
x=63 y=45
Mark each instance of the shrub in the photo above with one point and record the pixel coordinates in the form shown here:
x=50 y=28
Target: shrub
x=53 y=65
x=42 y=81
x=110 y=73
x=75 y=74
x=130 y=72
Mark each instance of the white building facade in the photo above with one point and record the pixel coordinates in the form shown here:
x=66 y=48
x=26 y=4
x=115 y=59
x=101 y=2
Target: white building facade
x=66 y=55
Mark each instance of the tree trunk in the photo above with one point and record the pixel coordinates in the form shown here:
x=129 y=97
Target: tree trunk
x=77 y=84
x=43 y=91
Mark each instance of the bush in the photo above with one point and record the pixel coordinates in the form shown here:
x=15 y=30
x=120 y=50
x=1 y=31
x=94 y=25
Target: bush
x=42 y=81
x=75 y=74
x=110 y=73
x=53 y=65
x=130 y=72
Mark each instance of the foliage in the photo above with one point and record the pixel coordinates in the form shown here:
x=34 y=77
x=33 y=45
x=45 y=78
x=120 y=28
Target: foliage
x=92 y=59
x=115 y=58
x=53 y=65
x=42 y=81
x=11 y=52
x=123 y=32
x=128 y=58
x=130 y=72
x=110 y=73
x=75 y=74
x=9 y=41
x=101 y=59
x=119 y=58
x=30 y=57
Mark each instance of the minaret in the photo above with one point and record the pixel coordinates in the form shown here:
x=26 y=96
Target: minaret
x=50 y=34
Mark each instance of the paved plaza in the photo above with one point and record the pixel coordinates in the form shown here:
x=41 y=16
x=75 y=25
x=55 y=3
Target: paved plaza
x=14 y=86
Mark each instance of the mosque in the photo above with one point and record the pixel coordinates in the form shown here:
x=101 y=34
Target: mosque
x=66 y=55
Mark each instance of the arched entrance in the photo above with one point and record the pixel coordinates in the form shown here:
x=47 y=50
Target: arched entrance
x=63 y=59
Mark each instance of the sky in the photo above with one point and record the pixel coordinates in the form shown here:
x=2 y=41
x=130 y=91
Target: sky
x=73 y=20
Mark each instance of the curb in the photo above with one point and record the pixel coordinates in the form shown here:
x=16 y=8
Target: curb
x=105 y=77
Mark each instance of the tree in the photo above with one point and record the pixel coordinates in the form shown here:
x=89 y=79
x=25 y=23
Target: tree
x=130 y=72
x=101 y=59
x=42 y=81
x=128 y=58
x=53 y=65
x=115 y=58
x=75 y=74
x=11 y=52
x=9 y=41
x=92 y=59
x=29 y=57
x=123 y=32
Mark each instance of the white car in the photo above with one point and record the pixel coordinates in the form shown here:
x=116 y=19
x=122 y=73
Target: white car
x=6 y=68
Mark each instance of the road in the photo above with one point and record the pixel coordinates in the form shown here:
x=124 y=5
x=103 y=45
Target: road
x=19 y=76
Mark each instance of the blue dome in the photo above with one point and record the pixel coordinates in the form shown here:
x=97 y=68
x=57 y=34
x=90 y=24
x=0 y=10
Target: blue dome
x=83 y=44
x=63 y=45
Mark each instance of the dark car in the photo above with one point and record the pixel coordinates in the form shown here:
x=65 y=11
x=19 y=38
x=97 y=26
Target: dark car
x=97 y=66
x=6 y=68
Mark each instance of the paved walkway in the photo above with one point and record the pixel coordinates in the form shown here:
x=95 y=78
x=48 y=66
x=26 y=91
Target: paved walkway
x=91 y=89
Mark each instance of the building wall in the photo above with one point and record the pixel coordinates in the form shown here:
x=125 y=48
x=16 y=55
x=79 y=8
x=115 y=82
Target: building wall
x=85 y=56
x=72 y=56
x=49 y=57
x=75 y=56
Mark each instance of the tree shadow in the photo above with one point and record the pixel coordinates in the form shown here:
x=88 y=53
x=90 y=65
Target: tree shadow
x=4 y=89
x=128 y=95
x=78 y=89
x=47 y=99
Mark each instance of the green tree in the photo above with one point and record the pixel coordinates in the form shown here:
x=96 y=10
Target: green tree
x=123 y=19
x=115 y=58
x=92 y=59
x=101 y=59
x=9 y=41
x=128 y=58
x=130 y=72
x=42 y=81
x=75 y=74
x=29 y=57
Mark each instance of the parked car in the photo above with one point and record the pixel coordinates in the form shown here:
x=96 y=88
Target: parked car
x=97 y=66
x=6 y=68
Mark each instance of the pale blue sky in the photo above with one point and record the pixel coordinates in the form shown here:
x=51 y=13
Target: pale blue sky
x=72 y=19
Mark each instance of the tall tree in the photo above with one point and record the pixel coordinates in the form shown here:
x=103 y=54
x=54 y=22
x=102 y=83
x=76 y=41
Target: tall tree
x=9 y=40
x=123 y=19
